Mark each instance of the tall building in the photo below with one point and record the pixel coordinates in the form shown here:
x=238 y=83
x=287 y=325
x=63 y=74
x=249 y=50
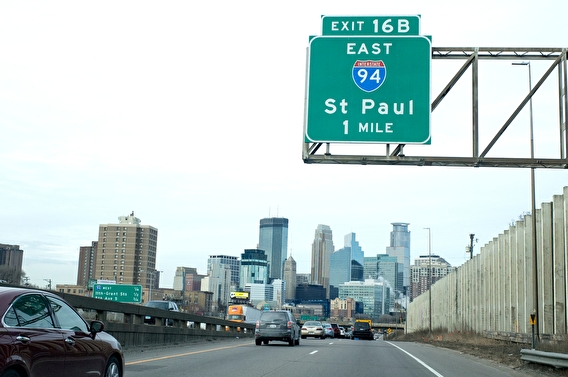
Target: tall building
x=11 y=260
x=371 y=268
x=357 y=253
x=126 y=252
x=218 y=281
x=420 y=273
x=322 y=248
x=290 y=278
x=273 y=239
x=86 y=266
x=232 y=262
x=374 y=294
x=391 y=270
x=400 y=248
x=254 y=267
x=340 y=266
x=347 y=263
x=187 y=279
x=278 y=292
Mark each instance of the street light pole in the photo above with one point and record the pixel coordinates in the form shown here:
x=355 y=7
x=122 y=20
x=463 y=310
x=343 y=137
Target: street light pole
x=429 y=283
x=533 y=200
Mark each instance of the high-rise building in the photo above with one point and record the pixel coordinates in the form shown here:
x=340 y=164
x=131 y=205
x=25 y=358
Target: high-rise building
x=391 y=270
x=278 y=292
x=322 y=248
x=420 y=273
x=232 y=262
x=11 y=259
x=371 y=268
x=290 y=278
x=386 y=267
x=347 y=263
x=254 y=267
x=357 y=253
x=340 y=266
x=273 y=239
x=374 y=294
x=126 y=252
x=400 y=248
x=187 y=279
x=86 y=266
x=219 y=282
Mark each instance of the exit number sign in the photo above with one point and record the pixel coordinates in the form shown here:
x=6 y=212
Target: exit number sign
x=364 y=25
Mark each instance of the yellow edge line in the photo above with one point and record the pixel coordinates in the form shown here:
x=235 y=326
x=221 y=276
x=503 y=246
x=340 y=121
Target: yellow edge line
x=181 y=354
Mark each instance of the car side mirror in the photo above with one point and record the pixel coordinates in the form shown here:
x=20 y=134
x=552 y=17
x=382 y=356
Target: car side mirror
x=96 y=327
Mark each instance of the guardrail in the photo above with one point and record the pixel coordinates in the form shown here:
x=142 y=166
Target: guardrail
x=557 y=360
x=126 y=323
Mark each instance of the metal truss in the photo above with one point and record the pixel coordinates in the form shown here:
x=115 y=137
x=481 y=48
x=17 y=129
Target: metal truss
x=478 y=159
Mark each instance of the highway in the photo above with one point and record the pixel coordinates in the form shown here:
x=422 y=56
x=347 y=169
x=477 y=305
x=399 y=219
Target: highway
x=313 y=357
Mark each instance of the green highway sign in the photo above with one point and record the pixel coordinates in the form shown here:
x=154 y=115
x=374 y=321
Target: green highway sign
x=368 y=89
x=376 y=26
x=118 y=292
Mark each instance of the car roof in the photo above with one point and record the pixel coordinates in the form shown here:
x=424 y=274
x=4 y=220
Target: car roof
x=8 y=294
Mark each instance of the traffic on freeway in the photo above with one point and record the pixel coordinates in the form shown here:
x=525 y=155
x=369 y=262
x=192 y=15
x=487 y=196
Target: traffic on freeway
x=313 y=357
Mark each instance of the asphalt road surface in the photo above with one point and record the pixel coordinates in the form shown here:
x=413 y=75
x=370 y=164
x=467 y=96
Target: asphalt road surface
x=313 y=357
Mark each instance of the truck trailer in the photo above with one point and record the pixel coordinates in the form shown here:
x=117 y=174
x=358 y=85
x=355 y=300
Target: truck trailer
x=243 y=313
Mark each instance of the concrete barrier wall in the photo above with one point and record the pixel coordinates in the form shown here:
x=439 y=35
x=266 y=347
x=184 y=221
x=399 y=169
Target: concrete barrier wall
x=126 y=323
x=493 y=293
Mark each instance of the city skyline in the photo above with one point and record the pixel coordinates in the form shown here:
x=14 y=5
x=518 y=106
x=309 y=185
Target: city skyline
x=100 y=121
x=321 y=229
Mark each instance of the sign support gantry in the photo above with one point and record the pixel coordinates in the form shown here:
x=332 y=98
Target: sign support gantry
x=472 y=57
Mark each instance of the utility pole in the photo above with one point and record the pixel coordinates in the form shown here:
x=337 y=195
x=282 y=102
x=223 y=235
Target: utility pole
x=471 y=245
x=429 y=282
x=49 y=283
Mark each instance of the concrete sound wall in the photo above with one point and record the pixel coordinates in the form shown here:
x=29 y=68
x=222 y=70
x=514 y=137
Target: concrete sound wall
x=493 y=293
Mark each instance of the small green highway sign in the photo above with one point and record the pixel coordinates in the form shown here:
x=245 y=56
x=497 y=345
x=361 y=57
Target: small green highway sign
x=368 y=89
x=118 y=292
x=364 y=25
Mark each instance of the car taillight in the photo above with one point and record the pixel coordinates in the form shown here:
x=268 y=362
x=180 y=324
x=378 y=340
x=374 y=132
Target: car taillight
x=289 y=324
x=257 y=324
x=319 y=328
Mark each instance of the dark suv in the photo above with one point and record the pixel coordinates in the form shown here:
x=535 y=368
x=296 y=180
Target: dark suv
x=164 y=305
x=277 y=325
x=362 y=330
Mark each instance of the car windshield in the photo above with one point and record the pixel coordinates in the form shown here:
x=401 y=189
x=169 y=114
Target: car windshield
x=158 y=304
x=312 y=323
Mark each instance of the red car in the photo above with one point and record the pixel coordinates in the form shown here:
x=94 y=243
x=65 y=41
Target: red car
x=336 y=331
x=43 y=336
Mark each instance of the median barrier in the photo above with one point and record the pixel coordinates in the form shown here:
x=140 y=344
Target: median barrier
x=125 y=322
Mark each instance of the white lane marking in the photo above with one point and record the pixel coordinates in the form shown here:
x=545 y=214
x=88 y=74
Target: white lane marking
x=311 y=353
x=418 y=360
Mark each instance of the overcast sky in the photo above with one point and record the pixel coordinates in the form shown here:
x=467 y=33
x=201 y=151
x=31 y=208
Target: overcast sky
x=191 y=115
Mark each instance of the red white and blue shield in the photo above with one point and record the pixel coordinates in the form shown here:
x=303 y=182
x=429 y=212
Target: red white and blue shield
x=369 y=75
